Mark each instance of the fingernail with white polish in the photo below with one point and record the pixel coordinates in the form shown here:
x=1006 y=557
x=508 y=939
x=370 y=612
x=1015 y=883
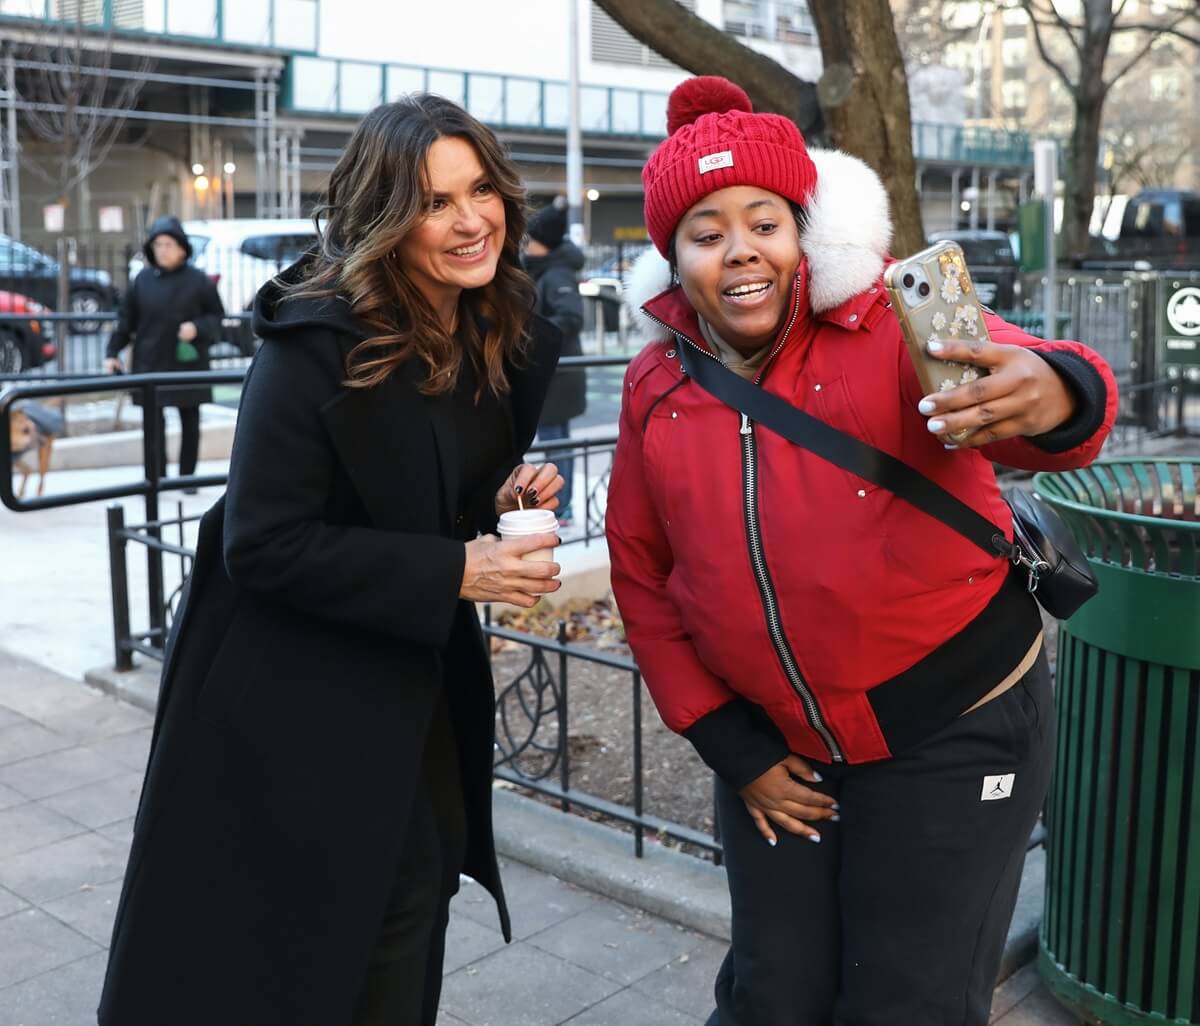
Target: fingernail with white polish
x=936 y=426
x=817 y=778
x=835 y=818
x=934 y=347
x=949 y=446
x=815 y=838
x=836 y=806
x=771 y=841
x=926 y=406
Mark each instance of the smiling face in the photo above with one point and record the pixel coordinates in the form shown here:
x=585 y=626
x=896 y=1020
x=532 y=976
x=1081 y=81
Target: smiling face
x=458 y=243
x=737 y=251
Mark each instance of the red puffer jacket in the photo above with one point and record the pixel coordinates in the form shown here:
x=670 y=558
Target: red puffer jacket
x=775 y=602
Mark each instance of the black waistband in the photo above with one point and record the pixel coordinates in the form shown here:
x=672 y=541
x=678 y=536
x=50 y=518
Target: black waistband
x=924 y=698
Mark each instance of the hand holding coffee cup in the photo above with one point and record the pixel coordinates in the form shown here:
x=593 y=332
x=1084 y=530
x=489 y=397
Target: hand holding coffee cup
x=530 y=487
x=515 y=569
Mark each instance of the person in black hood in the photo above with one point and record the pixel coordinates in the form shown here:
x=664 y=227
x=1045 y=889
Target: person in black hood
x=554 y=263
x=171 y=314
x=321 y=765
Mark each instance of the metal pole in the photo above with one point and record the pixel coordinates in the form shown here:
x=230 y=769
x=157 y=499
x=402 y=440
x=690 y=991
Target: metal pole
x=564 y=736
x=14 y=152
x=154 y=456
x=1045 y=171
x=574 y=137
x=977 y=114
x=119 y=580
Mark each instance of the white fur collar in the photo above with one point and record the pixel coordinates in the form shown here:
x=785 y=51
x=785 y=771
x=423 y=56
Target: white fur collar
x=846 y=239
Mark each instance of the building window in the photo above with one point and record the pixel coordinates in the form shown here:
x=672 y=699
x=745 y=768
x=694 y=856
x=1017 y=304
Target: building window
x=611 y=44
x=1014 y=53
x=1014 y=95
x=1165 y=85
x=784 y=21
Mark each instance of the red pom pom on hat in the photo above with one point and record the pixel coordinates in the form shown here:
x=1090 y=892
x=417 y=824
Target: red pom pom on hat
x=705 y=94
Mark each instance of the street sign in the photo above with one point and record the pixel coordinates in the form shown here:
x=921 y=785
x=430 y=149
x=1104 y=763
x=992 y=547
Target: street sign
x=1179 y=328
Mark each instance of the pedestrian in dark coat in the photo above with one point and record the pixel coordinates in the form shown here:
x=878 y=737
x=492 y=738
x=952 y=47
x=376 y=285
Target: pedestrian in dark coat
x=321 y=766
x=554 y=263
x=171 y=314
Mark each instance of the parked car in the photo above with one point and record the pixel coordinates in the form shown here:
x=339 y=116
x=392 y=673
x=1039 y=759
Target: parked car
x=30 y=273
x=24 y=344
x=992 y=264
x=1160 y=229
x=243 y=254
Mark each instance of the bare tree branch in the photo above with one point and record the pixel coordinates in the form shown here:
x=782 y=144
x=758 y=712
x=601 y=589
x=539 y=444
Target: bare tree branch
x=695 y=45
x=1040 y=43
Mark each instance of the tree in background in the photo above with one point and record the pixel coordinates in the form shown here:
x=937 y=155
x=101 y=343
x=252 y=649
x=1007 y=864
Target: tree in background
x=861 y=101
x=1076 y=49
x=70 y=99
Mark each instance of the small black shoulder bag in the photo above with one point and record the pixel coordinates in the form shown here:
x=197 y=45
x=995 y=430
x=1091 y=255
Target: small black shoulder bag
x=1058 y=574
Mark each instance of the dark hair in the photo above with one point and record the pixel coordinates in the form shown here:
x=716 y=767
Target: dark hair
x=377 y=194
x=798 y=212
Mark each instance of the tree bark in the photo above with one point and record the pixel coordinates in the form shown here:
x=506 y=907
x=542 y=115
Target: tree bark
x=864 y=95
x=689 y=41
x=862 y=98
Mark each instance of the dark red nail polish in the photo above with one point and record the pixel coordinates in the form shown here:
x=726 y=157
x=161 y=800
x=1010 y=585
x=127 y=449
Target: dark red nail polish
x=518 y=489
x=534 y=502
x=533 y=493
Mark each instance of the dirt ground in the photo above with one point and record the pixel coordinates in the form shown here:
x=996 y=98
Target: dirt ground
x=600 y=705
x=600 y=735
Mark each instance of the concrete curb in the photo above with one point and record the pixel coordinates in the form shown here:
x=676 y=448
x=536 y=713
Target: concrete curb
x=677 y=887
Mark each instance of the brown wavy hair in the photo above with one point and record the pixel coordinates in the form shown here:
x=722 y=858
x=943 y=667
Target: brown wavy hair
x=378 y=193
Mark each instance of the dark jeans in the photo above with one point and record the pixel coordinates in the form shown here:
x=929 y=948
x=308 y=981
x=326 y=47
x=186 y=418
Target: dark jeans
x=404 y=976
x=565 y=464
x=900 y=914
x=189 y=440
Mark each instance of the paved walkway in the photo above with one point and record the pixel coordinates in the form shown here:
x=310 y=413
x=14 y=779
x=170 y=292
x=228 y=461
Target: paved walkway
x=71 y=763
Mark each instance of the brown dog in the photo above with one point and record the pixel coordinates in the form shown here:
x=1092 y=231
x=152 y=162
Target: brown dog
x=27 y=439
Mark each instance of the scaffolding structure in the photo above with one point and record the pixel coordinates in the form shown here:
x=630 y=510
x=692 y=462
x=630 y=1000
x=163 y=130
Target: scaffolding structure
x=211 y=139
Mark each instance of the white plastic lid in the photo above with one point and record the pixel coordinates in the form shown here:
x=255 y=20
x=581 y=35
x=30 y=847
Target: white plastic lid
x=528 y=521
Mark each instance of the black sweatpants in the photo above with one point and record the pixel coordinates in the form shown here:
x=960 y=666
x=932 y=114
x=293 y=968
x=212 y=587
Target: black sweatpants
x=404 y=976
x=189 y=440
x=899 y=916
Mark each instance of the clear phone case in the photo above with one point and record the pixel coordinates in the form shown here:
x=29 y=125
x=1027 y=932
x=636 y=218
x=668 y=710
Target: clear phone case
x=934 y=298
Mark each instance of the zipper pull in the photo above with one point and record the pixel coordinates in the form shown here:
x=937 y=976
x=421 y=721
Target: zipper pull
x=745 y=429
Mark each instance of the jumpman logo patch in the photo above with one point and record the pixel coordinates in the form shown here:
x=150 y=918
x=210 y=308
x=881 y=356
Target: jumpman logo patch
x=997 y=787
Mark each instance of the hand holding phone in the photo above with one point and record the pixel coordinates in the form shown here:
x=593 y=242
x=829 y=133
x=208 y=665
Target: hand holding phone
x=975 y=391
x=935 y=301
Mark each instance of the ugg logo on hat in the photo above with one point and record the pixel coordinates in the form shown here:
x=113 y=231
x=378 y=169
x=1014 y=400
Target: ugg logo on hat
x=716 y=160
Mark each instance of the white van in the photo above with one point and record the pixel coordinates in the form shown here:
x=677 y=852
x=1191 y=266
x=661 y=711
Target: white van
x=242 y=254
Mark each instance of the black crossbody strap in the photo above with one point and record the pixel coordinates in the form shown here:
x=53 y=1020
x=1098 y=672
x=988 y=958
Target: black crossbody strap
x=843 y=450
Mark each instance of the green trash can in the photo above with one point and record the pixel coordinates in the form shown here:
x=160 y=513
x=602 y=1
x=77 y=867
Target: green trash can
x=1120 y=938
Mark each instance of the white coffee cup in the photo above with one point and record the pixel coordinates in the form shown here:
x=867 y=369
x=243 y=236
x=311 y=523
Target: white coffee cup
x=520 y=523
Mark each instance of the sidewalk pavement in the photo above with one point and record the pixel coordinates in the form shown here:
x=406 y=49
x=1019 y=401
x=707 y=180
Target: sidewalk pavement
x=71 y=762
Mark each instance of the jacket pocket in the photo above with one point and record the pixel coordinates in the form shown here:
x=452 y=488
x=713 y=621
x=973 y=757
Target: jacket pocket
x=834 y=405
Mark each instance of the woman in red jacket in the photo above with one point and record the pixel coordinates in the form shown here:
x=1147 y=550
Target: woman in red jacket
x=868 y=686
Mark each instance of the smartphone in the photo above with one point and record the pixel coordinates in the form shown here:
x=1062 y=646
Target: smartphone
x=934 y=299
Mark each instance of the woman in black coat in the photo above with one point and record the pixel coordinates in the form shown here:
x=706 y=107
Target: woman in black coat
x=171 y=315
x=322 y=757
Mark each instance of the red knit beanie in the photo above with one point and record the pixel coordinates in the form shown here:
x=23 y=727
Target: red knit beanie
x=716 y=140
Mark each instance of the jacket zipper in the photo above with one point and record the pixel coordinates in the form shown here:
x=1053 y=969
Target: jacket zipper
x=758 y=562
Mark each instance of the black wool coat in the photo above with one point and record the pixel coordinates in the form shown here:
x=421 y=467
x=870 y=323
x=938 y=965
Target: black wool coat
x=557 y=277
x=298 y=685
x=152 y=310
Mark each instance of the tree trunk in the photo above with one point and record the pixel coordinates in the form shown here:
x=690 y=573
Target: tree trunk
x=1079 y=179
x=864 y=95
x=689 y=41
